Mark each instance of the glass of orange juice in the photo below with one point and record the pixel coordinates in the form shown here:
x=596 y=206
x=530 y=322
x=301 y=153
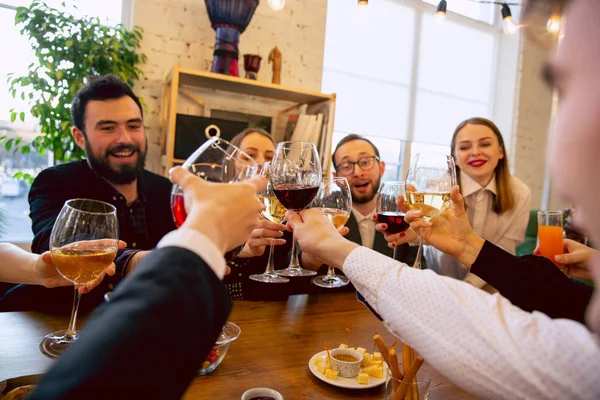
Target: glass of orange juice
x=550 y=233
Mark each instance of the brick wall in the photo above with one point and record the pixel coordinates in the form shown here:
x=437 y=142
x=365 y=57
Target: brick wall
x=179 y=31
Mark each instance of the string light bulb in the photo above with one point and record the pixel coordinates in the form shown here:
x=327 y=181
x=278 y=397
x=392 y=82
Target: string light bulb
x=553 y=24
x=440 y=11
x=363 y=3
x=277 y=5
x=509 y=26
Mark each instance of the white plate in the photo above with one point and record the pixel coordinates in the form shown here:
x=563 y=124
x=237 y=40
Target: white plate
x=348 y=383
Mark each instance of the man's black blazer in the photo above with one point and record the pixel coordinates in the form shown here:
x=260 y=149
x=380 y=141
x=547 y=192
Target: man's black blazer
x=150 y=340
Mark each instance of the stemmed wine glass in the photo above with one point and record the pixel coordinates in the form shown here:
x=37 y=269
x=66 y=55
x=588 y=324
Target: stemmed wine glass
x=428 y=185
x=296 y=176
x=273 y=212
x=387 y=208
x=215 y=161
x=335 y=201
x=83 y=243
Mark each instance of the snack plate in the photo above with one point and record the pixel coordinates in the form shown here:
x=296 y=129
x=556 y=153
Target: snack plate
x=348 y=383
x=12 y=383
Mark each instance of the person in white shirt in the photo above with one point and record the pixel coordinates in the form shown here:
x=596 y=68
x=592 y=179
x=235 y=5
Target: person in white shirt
x=497 y=203
x=479 y=340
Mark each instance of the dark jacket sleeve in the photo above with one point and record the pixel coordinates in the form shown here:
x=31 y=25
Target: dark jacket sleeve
x=151 y=339
x=532 y=283
x=46 y=198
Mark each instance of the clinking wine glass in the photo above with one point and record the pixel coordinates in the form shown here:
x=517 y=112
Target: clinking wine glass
x=296 y=177
x=83 y=243
x=273 y=212
x=335 y=201
x=387 y=208
x=215 y=161
x=428 y=185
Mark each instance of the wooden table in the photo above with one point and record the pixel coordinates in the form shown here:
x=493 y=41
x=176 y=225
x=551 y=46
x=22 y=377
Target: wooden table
x=277 y=340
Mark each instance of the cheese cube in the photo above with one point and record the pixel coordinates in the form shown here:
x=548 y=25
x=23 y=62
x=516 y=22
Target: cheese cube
x=367 y=360
x=367 y=370
x=350 y=348
x=318 y=361
x=322 y=368
x=378 y=363
x=361 y=350
x=331 y=374
x=377 y=372
x=343 y=346
x=363 y=378
x=376 y=356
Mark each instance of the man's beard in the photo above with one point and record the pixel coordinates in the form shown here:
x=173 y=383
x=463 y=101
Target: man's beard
x=365 y=198
x=126 y=173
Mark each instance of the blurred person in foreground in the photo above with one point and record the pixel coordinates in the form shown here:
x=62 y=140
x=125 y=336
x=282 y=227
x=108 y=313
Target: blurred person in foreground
x=150 y=340
x=480 y=341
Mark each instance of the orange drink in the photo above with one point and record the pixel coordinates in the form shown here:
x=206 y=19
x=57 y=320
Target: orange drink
x=551 y=241
x=550 y=233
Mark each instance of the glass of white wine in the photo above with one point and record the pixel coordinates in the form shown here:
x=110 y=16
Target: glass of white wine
x=428 y=185
x=335 y=201
x=83 y=243
x=274 y=212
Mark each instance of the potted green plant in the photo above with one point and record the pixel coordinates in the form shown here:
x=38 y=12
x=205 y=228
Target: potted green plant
x=69 y=50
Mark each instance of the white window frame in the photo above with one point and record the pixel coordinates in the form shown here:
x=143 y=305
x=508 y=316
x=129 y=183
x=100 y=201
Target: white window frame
x=421 y=9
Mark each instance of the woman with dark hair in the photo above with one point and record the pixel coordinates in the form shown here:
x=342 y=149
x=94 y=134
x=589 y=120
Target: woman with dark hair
x=259 y=144
x=497 y=203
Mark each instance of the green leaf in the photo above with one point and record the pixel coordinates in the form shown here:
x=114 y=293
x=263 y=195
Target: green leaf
x=22 y=116
x=13 y=116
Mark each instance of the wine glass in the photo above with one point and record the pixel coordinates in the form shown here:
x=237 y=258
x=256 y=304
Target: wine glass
x=335 y=201
x=428 y=185
x=273 y=212
x=215 y=161
x=296 y=176
x=83 y=243
x=387 y=208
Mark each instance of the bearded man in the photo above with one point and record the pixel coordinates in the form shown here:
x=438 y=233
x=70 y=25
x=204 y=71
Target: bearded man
x=108 y=125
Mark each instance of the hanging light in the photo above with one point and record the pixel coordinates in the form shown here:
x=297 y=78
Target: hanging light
x=509 y=26
x=440 y=11
x=363 y=3
x=277 y=4
x=553 y=24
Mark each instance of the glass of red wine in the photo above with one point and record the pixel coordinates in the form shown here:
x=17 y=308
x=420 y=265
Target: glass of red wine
x=387 y=208
x=296 y=177
x=215 y=161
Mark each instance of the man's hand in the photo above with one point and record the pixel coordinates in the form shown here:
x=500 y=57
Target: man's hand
x=264 y=235
x=449 y=232
x=45 y=271
x=576 y=259
x=226 y=213
x=317 y=236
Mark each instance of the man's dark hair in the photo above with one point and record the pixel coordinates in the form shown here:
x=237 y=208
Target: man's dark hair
x=350 y=138
x=107 y=87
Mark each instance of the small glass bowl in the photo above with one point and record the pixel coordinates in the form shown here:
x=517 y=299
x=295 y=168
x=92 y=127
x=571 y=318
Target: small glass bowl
x=229 y=333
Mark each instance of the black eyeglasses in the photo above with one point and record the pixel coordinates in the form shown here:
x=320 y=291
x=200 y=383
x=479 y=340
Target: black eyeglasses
x=365 y=163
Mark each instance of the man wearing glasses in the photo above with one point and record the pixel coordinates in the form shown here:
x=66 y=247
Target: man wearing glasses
x=357 y=159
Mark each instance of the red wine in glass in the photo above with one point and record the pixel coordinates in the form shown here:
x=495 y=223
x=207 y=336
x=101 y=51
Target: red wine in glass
x=295 y=197
x=179 y=216
x=394 y=220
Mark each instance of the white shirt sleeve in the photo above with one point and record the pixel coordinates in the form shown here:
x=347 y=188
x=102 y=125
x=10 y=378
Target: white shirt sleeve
x=480 y=341
x=198 y=243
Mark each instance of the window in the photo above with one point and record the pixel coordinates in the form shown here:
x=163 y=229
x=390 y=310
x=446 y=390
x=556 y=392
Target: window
x=15 y=225
x=404 y=80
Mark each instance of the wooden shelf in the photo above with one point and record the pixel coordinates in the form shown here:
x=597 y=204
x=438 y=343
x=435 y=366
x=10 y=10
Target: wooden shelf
x=210 y=80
